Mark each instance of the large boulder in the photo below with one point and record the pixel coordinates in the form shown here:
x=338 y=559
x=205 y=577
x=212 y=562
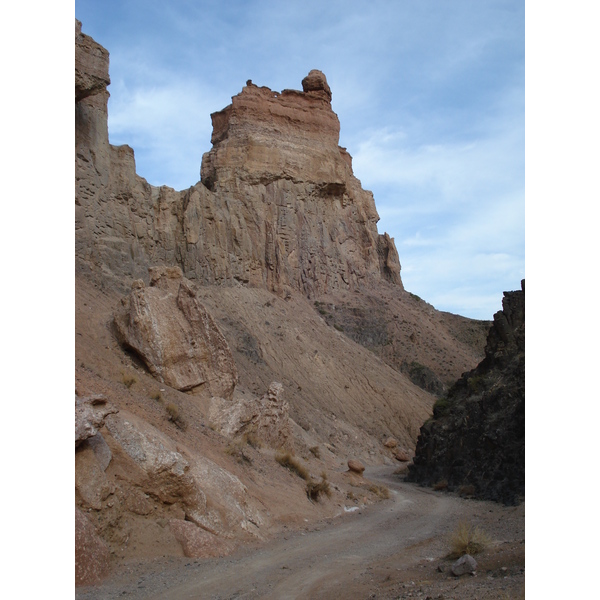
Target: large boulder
x=210 y=496
x=168 y=327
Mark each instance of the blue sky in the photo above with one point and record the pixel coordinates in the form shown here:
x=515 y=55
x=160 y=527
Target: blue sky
x=430 y=96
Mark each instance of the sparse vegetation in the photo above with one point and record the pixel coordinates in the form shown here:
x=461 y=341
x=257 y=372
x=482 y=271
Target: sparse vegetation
x=315 y=488
x=236 y=450
x=442 y=484
x=475 y=383
x=129 y=380
x=468 y=539
x=157 y=396
x=175 y=416
x=440 y=407
x=338 y=327
x=379 y=490
x=316 y=452
x=289 y=461
x=252 y=439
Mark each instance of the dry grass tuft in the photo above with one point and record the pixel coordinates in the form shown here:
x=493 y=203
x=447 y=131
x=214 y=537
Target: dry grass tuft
x=468 y=539
x=252 y=439
x=440 y=485
x=129 y=380
x=157 y=396
x=379 y=490
x=466 y=490
x=315 y=451
x=175 y=415
x=236 y=450
x=287 y=460
x=315 y=488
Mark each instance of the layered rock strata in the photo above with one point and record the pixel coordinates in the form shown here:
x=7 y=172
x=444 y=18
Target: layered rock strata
x=475 y=442
x=278 y=205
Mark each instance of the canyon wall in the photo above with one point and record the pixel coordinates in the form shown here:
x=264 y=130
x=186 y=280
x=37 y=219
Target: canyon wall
x=277 y=207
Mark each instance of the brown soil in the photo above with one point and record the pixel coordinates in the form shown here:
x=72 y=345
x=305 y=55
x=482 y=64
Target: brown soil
x=396 y=548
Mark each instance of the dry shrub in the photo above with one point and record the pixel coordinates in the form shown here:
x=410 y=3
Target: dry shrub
x=468 y=539
x=440 y=485
x=287 y=460
x=315 y=451
x=236 y=450
x=129 y=380
x=157 y=396
x=175 y=415
x=315 y=488
x=379 y=490
x=252 y=439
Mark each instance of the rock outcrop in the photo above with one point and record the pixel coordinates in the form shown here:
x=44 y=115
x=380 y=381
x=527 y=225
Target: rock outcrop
x=168 y=327
x=476 y=438
x=278 y=206
x=277 y=218
x=91 y=66
x=265 y=419
x=90 y=412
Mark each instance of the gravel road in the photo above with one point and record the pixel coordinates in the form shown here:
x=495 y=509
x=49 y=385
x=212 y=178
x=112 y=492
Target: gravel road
x=393 y=549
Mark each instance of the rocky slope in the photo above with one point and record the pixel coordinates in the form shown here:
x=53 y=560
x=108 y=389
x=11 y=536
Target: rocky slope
x=475 y=441
x=258 y=308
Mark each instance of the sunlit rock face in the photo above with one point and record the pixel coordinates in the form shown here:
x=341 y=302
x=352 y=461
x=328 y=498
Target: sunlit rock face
x=310 y=224
x=278 y=205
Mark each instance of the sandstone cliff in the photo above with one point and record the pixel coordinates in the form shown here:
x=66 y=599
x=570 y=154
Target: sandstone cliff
x=278 y=205
x=270 y=269
x=475 y=442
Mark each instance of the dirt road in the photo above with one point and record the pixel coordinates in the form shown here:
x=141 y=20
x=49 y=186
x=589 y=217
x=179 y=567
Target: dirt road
x=394 y=549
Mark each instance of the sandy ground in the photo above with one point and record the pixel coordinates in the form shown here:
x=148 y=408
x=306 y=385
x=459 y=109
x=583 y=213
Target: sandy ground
x=396 y=548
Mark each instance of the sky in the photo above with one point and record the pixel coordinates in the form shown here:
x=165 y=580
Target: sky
x=430 y=97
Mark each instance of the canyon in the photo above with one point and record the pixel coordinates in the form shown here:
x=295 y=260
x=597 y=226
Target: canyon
x=255 y=316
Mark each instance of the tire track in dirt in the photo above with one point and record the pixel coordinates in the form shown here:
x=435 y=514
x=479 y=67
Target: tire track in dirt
x=317 y=563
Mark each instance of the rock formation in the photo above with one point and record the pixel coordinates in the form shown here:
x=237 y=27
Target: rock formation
x=167 y=326
x=90 y=413
x=265 y=419
x=278 y=205
x=476 y=438
x=278 y=218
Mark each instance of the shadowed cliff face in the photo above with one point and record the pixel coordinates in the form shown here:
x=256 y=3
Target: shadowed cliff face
x=475 y=442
